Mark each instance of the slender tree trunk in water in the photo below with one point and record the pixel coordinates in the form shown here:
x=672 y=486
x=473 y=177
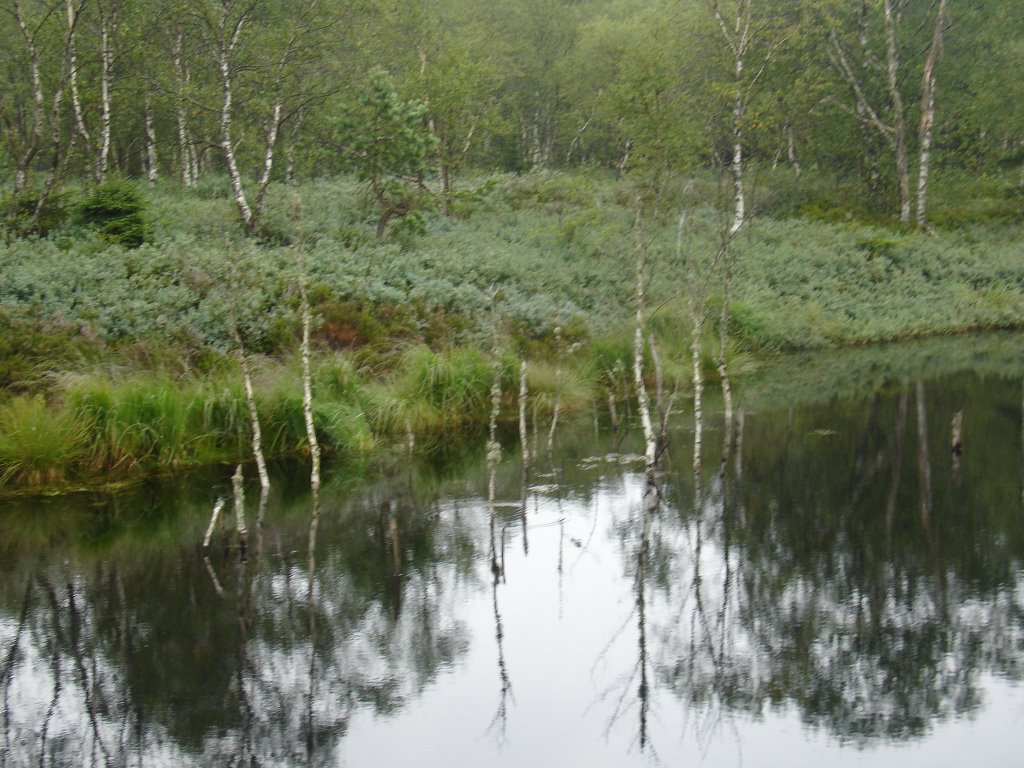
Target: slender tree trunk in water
x=957 y=444
x=899 y=112
x=493 y=456
x=928 y=114
x=723 y=343
x=214 y=517
x=558 y=391
x=924 y=466
x=239 y=496
x=643 y=402
x=307 y=385
x=897 y=468
x=698 y=391
x=524 y=435
x=254 y=416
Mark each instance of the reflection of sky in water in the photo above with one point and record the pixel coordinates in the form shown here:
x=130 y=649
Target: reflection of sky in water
x=784 y=625
x=572 y=659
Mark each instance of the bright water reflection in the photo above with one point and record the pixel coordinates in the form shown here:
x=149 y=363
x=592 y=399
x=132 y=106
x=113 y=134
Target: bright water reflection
x=838 y=589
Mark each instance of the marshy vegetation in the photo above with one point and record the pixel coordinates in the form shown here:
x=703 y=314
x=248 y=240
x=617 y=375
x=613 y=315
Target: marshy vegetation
x=119 y=358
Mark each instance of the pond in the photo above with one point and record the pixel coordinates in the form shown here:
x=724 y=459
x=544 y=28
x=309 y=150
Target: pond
x=835 y=586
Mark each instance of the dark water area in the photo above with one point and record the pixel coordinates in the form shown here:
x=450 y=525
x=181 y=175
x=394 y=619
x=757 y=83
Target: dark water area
x=838 y=587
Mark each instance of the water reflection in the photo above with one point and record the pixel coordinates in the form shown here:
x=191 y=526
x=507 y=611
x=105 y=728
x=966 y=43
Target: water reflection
x=832 y=562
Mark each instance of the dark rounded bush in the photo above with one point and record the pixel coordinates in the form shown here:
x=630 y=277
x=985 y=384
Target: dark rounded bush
x=117 y=210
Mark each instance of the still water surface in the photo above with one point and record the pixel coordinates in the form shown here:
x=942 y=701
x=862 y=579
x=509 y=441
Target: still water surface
x=838 y=589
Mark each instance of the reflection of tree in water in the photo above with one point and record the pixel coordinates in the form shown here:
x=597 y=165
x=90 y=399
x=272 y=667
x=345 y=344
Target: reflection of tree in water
x=98 y=672
x=851 y=576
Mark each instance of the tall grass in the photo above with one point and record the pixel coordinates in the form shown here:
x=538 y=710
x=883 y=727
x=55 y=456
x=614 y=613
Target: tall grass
x=39 y=441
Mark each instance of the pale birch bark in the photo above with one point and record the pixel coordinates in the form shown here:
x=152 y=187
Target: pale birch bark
x=185 y=151
x=524 y=435
x=895 y=133
x=899 y=112
x=273 y=127
x=698 y=391
x=108 y=26
x=723 y=343
x=289 y=151
x=254 y=416
x=238 y=492
x=217 y=509
x=227 y=40
x=643 y=401
x=56 y=158
x=152 y=162
x=558 y=391
x=76 y=102
x=928 y=114
x=23 y=160
x=791 y=155
x=738 y=40
x=924 y=465
x=307 y=386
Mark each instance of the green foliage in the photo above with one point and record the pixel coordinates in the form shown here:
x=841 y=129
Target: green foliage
x=30 y=349
x=39 y=441
x=388 y=146
x=20 y=210
x=434 y=391
x=117 y=210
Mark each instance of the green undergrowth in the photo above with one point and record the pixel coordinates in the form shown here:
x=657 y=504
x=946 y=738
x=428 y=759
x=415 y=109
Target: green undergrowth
x=117 y=360
x=107 y=424
x=542 y=250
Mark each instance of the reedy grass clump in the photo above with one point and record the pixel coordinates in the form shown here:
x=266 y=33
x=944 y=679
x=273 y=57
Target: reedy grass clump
x=39 y=441
x=433 y=391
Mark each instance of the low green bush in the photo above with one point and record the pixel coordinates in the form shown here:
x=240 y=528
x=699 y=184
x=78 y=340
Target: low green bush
x=117 y=210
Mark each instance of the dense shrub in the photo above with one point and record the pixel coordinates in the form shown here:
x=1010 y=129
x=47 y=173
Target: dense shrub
x=117 y=210
x=20 y=209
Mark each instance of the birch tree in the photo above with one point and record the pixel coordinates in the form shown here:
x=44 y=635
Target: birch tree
x=887 y=114
x=928 y=113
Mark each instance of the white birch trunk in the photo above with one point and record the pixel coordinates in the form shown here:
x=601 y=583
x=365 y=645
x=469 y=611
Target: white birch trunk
x=558 y=392
x=791 y=155
x=254 y=416
x=643 y=401
x=273 y=126
x=24 y=161
x=928 y=115
x=152 y=162
x=106 y=65
x=226 y=47
x=307 y=386
x=698 y=392
x=217 y=509
x=184 y=143
x=76 y=102
x=239 y=495
x=524 y=435
x=723 y=345
x=739 y=200
x=899 y=112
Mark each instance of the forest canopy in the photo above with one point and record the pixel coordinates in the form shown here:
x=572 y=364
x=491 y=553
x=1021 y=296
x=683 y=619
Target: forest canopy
x=266 y=90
